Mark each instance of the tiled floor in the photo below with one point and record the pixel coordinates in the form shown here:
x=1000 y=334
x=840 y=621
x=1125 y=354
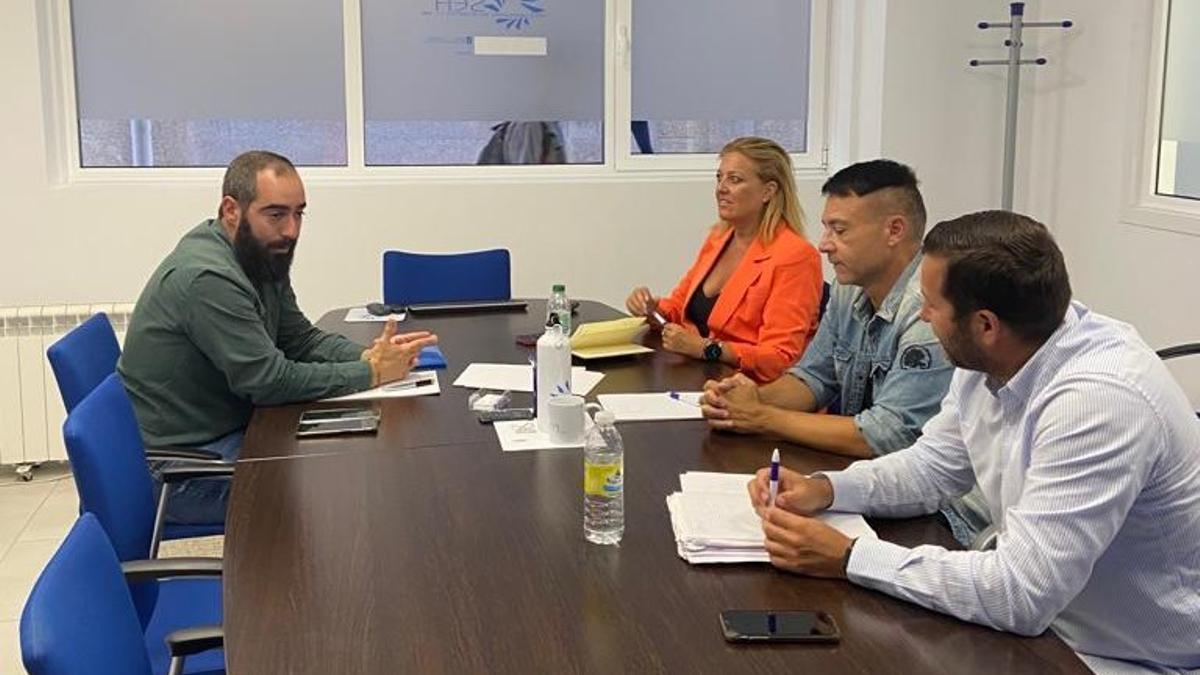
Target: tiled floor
x=34 y=518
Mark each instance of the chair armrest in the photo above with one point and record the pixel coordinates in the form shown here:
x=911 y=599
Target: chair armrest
x=170 y=568
x=176 y=452
x=188 y=641
x=178 y=474
x=1179 y=350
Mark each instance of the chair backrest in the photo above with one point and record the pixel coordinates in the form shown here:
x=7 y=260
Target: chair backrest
x=82 y=358
x=825 y=291
x=108 y=462
x=434 y=277
x=80 y=618
x=1188 y=374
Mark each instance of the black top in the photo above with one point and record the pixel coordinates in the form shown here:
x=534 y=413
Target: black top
x=699 y=307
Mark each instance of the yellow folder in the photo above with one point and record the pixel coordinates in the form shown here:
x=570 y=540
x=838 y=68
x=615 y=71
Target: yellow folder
x=602 y=339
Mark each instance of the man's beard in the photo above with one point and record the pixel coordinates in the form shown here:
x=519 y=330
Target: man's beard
x=962 y=351
x=259 y=262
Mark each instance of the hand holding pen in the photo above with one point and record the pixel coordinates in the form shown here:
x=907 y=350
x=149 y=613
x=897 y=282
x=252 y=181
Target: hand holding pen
x=794 y=492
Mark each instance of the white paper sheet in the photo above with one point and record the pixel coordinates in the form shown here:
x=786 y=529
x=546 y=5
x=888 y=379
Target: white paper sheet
x=648 y=407
x=419 y=383
x=518 y=435
x=361 y=315
x=519 y=377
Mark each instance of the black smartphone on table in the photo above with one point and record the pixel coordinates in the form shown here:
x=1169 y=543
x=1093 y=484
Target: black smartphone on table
x=771 y=625
x=326 y=421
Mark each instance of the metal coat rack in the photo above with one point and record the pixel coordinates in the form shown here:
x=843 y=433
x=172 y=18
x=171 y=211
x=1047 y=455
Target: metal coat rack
x=1014 y=62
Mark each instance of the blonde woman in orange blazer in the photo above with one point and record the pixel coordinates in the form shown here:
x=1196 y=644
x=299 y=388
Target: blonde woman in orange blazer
x=752 y=297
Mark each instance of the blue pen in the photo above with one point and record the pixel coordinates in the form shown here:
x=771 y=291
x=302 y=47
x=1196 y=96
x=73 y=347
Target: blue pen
x=774 y=477
x=678 y=397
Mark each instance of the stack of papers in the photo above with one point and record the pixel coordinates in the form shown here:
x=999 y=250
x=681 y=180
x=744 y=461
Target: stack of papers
x=602 y=339
x=667 y=405
x=418 y=383
x=518 y=377
x=715 y=523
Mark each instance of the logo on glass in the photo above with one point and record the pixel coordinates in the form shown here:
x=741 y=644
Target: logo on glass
x=511 y=14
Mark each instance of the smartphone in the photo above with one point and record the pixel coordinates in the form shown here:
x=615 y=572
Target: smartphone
x=769 y=625
x=351 y=425
x=329 y=421
x=327 y=414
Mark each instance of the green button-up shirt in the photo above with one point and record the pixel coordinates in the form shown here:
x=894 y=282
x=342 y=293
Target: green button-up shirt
x=205 y=345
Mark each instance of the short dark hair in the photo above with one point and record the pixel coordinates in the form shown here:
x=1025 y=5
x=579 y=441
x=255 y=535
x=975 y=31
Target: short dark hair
x=241 y=178
x=1006 y=263
x=864 y=178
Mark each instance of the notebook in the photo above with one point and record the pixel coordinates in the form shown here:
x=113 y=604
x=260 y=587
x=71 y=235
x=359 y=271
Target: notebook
x=606 y=339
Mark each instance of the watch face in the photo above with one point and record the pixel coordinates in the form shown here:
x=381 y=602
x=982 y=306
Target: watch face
x=712 y=351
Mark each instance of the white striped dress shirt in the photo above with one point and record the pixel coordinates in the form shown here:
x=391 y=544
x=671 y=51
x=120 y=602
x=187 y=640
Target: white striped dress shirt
x=1089 y=460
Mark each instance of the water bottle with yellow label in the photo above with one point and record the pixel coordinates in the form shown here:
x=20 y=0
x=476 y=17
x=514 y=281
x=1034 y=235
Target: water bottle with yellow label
x=603 y=482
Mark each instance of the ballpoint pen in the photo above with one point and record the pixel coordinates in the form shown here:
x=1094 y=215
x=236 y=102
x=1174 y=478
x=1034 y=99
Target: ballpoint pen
x=774 y=489
x=679 y=397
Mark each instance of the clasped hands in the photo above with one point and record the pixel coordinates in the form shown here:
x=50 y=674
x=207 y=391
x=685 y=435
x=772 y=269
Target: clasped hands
x=794 y=540
x=733 y=404
x=675 y=338
x=392 y=356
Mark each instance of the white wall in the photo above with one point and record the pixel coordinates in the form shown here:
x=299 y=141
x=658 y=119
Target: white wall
x=1081 y=162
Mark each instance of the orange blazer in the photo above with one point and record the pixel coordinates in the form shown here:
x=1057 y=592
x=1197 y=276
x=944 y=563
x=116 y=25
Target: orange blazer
x=768 y=310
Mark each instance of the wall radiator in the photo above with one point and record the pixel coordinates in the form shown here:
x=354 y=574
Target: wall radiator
x=31 y=408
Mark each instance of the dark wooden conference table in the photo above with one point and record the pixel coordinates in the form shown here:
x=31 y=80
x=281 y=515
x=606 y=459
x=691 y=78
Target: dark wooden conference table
x=425 y=548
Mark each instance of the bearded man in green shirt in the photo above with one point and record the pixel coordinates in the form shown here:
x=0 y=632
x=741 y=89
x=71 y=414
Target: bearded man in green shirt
x=217 y=331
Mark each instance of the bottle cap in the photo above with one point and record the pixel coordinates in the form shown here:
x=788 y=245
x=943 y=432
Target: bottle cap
x=605 y=417
x=558 y=288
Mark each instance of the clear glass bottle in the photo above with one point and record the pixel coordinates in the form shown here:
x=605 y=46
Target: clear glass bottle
x=603 y=482
x=559 y=305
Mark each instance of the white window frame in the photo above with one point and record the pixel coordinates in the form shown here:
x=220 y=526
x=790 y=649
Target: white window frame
x=63 y=142
x=1144 y=207
x=816 y=155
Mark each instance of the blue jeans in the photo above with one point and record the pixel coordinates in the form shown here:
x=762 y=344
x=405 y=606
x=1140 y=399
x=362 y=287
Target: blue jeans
x=201 y=501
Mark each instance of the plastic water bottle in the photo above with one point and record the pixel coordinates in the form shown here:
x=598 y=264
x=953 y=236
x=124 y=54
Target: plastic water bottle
x=603 y=482
x=551 y=371
x=560 y=305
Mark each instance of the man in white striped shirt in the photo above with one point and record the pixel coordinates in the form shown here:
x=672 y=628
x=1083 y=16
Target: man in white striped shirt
x=1085 y=449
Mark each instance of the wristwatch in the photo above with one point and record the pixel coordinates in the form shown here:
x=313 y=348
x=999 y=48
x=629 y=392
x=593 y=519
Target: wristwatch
x=712 y=350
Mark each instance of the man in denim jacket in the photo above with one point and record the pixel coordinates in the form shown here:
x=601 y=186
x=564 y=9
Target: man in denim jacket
x=873 y=361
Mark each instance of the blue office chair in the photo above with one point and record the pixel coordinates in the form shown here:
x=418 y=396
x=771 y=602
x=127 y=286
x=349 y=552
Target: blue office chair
x=109 y=466
x=83 y=357
x=79 y=617
x=413 y=278
x=114 y=485
x=81 y=360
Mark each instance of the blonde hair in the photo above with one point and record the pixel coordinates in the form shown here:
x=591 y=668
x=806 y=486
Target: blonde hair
x=771 y=165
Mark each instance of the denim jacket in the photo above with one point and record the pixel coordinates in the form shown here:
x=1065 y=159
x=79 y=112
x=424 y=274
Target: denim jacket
x=885 y=367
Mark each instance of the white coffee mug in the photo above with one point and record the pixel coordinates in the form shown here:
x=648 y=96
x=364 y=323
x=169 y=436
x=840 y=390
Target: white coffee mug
x=566 y=423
